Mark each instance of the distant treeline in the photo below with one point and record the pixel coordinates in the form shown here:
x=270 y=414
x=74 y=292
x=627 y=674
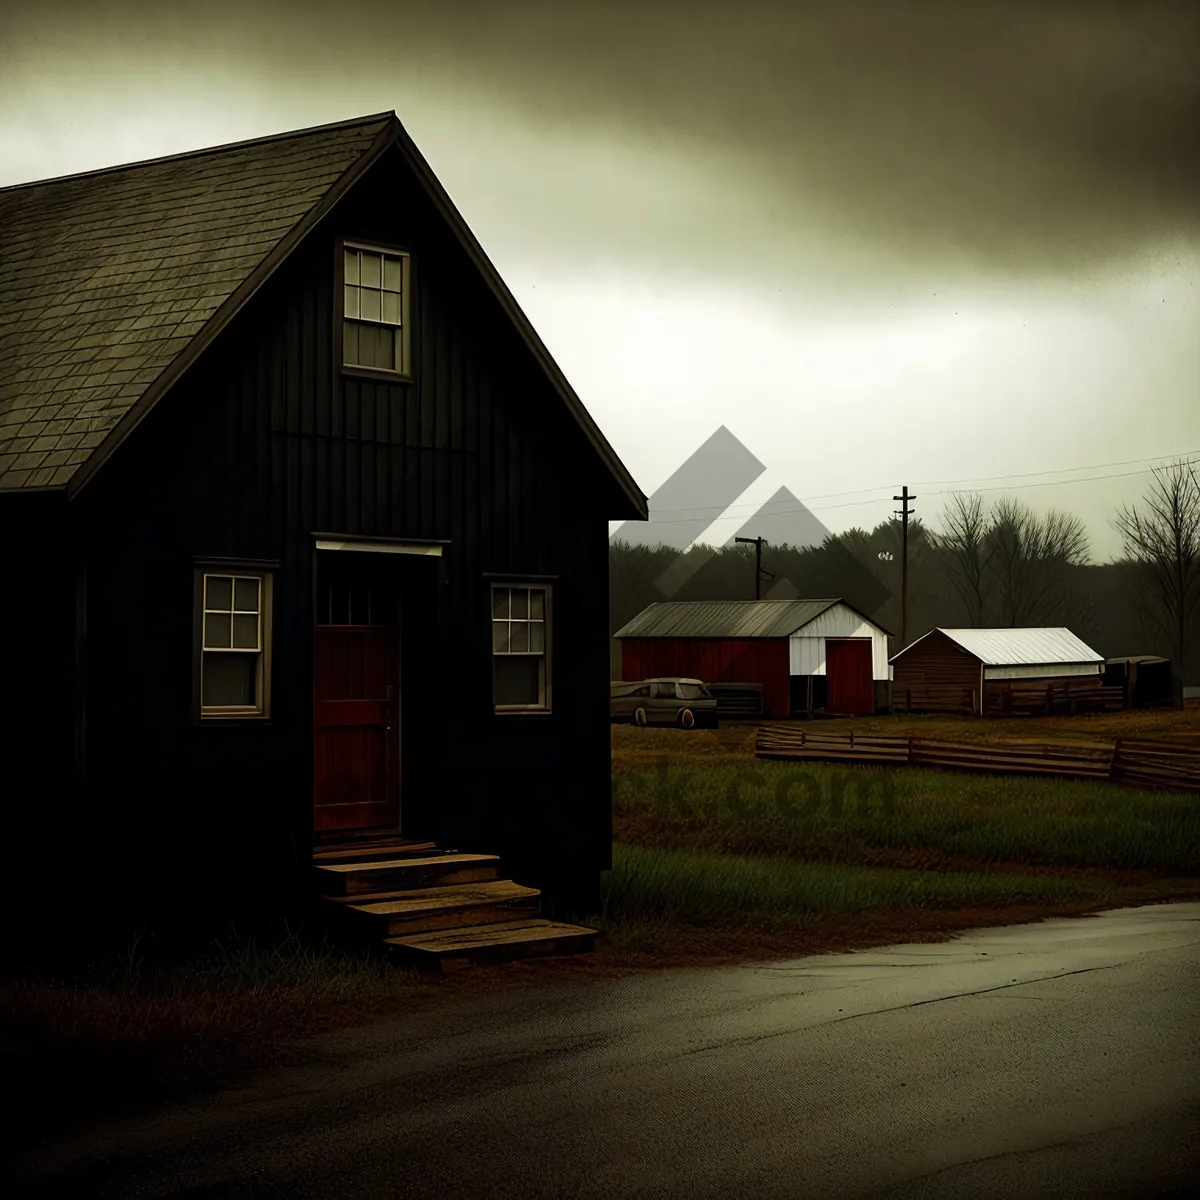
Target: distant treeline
x=987 y=565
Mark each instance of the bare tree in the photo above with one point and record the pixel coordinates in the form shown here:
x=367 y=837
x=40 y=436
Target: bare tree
x=964 y=542
x=1162 y=535
x=1030 y=560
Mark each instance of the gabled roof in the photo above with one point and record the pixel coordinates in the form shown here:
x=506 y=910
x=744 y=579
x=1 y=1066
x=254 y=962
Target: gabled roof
x=728 y=618
x=112 y=282
x=1017 y=647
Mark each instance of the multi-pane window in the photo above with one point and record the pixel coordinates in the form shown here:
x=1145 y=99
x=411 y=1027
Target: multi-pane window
x=375 y=309
x=233 y=644
x=520 y=646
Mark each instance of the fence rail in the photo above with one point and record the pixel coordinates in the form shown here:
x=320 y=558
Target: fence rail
x=1127 y=760
x=776 y=741
x=1161 y=764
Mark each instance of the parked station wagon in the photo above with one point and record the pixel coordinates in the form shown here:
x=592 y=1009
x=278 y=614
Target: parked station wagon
x=663 y=701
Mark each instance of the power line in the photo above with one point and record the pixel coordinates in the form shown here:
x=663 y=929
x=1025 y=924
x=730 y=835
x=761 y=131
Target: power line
x=1016 y=487
x=767 y=509
x=1062 y=470
x=750 y=504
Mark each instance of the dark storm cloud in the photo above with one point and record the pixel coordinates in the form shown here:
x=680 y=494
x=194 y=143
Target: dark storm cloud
x=1023 y=137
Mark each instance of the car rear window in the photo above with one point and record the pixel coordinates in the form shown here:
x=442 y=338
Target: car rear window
x=693 y=691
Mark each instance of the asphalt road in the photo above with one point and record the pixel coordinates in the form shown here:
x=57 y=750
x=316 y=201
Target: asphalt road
x=1058 y=1059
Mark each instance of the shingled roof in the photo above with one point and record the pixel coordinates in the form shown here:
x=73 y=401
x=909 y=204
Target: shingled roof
x=106 y=277
x=112 y=281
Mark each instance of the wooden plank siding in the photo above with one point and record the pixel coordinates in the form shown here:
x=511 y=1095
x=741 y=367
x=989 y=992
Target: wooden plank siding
x=936 y=675
x=727 y=660
x=262 y=444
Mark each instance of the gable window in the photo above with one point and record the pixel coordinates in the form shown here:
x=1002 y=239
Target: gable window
x=521 y=647
x=234 y=668
x=375 y=306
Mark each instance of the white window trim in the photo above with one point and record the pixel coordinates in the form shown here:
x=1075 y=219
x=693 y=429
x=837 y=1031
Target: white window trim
x=404 y=370
x=265 y=578
x=545 y=655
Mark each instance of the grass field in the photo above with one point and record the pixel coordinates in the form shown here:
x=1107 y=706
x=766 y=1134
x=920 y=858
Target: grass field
x=877 y=816
x=712 y=841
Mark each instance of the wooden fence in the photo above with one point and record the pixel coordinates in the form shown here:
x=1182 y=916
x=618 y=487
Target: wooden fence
x=1018 y=697
x=779 y=741
x=1142 y=763
x=1159 y=764
x=1087 y=760
x=1062 y=696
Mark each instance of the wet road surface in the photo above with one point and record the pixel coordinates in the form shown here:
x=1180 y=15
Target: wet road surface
x=1057 y=1059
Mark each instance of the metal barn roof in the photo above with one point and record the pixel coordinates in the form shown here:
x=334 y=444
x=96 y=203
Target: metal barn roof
x=726 y=618
x=1019 y=647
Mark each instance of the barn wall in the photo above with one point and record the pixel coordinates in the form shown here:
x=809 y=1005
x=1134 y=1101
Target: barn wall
x=807 y=653
x=265 y=443
x=717 y=660
x=1044 y=694
x=936 y=675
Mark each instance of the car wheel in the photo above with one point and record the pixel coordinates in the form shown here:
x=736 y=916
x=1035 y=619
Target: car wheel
x=639 y=716
x=686 y=718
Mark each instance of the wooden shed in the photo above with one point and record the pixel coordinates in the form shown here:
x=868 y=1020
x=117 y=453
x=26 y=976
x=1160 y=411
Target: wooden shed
x=994 y=670
x=808 y=655
x=311 y=533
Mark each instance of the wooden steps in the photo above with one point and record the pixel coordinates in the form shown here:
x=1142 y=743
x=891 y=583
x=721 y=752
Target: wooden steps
x=429 y=870
x=446 y=907
x=393 y=849
x=500 y=942
x=427 y=906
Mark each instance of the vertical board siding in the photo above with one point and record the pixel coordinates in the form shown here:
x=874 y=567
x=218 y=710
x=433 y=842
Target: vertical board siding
x=715 y=660
x=936 y=675
x=263 y=444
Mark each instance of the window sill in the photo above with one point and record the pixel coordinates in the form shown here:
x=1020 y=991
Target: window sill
x=523 y=712
x=375 y=373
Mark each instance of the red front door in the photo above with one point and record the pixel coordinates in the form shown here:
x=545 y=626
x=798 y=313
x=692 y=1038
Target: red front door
x=848 y=667
x=356 y=710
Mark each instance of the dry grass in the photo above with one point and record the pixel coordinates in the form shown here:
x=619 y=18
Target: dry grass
x=700 y=816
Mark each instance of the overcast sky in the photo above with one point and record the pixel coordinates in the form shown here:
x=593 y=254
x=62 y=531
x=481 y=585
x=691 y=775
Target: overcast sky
x=927 y=243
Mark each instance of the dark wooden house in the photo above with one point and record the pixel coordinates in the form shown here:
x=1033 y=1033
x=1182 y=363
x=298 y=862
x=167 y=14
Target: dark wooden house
x=807 y=655
x=306 y=532
x=997 y=671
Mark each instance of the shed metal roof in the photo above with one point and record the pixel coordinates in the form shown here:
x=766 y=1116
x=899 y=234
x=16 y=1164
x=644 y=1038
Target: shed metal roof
x=726 y=618
x=1018 y=647
x=113 y=281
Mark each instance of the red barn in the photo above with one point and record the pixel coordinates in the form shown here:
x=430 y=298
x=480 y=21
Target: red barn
x=808 y=655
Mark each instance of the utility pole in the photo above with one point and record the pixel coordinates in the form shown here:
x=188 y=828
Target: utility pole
x=757 y=563
x=903 y=512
